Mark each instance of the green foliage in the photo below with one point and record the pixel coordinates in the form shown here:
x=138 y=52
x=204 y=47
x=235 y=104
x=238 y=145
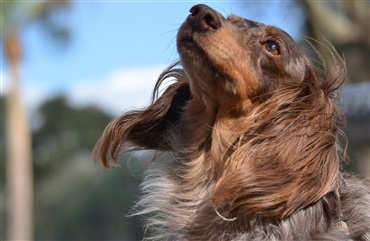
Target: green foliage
x=75 y=199
x=58 y=117
x=83 y=202
x=65 y=132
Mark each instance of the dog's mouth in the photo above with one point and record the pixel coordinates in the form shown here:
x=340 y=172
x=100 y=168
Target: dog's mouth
x=196 y=60
x=189 y=42
x=191 y=51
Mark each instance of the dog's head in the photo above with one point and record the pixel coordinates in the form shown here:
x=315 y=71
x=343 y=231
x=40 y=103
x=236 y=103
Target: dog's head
x=238 y=63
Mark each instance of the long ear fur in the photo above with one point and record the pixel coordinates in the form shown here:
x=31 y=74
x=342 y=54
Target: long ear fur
x=147 y=128
x=289 y=157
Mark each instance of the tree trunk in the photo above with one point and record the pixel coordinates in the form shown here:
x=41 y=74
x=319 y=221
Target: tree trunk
x=19 y=164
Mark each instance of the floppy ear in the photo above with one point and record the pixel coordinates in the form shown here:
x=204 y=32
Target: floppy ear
x=288 y=158
x=148 y=128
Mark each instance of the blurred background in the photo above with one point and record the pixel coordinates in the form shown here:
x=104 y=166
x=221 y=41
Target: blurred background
x=69 y=67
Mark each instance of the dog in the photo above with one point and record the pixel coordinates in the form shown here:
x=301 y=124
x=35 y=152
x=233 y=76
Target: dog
x=252 y=128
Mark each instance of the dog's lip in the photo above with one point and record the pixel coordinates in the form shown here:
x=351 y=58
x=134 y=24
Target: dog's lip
x=188 y=43
x=187 y=40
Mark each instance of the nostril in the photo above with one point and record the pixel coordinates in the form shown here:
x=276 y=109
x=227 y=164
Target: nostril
x=194 y=10
x=203 y=18
x=213 y=21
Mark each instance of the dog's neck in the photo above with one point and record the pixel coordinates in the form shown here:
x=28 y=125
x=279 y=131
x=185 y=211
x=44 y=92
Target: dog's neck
x=212 y=134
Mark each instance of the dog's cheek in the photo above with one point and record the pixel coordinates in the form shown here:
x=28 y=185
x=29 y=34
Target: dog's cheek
x=299 y=70
x=271 y=67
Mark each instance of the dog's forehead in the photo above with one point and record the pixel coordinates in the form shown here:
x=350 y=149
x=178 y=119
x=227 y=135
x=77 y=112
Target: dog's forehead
x=243 y=21
x=252 y=24
x=249 y=25
x=275 y=31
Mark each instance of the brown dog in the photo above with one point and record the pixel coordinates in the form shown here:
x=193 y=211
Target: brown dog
x=253 y=132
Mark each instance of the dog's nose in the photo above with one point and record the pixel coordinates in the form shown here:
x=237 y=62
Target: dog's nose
x=203 y=18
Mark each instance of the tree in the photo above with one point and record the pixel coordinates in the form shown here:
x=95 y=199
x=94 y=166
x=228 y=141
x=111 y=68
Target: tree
x=65 y=132
x=345 y=24
x=14 y=17
x=90 y=202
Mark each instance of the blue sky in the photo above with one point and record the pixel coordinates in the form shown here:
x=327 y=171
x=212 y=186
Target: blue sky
x=118 y=48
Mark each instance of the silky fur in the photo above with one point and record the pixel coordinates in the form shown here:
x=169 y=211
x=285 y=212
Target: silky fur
x=250 y=142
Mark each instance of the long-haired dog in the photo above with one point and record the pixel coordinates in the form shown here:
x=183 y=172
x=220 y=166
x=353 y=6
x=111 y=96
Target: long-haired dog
x=252 y=128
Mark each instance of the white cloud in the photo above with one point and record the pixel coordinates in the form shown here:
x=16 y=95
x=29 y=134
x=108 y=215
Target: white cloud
x=117 y=91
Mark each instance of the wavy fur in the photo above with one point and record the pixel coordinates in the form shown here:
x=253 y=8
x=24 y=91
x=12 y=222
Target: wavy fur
x=253 y=139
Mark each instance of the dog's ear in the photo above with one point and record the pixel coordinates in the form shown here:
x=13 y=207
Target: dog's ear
x=149 y=128
x=289 y=157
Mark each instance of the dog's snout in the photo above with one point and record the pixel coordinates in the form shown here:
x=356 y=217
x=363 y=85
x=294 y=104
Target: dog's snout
x=203 y=18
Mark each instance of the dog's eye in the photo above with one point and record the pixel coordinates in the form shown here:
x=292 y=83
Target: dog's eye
x=272 y=47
